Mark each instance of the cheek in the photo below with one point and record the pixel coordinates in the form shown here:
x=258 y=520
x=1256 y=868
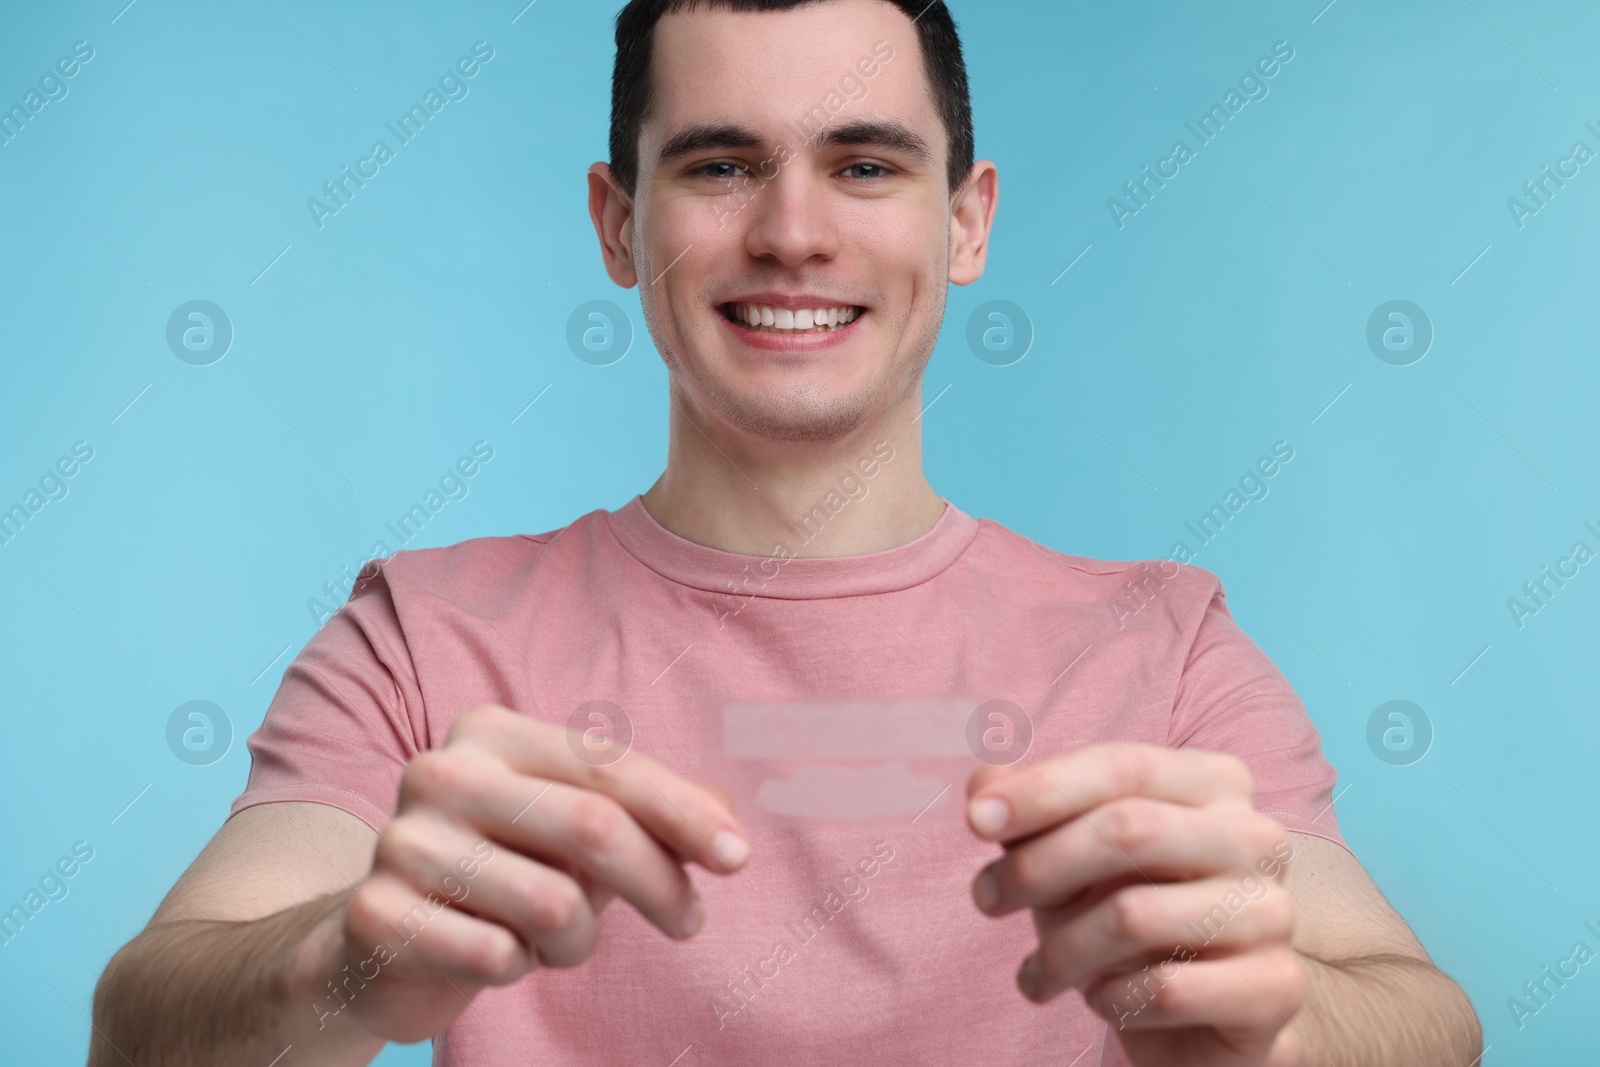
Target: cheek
x=684 y=242
x=689 y=221
x=677 y=305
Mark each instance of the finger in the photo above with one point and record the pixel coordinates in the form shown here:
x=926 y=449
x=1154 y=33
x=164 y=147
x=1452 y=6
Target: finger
x=423 y=935
x=682 y=815
x=598 y=894
x=1142 y=923
x=547 y=909
x=988 y=774
x=1034 y=798
x=721 y=795
x=1151 y=839
x=594 y=836
x=564 y=826
x=1247 y=998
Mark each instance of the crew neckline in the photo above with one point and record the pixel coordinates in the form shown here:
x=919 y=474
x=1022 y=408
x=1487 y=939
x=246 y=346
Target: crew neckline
x=801 y=578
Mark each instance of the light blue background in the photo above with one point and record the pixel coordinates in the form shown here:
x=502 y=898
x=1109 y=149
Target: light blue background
x=1224 y=317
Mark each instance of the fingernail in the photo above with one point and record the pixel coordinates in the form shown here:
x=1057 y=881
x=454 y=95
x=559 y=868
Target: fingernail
x=988 y=815
x=985 y=891
x=731 y=847
x=693 y=919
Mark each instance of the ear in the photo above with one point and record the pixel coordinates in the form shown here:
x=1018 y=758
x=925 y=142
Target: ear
x=611 y=209
x=971 y=217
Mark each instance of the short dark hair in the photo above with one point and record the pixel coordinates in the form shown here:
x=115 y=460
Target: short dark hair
x=630 y=78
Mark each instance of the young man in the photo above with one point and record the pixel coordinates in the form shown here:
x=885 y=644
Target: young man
x=424 y=851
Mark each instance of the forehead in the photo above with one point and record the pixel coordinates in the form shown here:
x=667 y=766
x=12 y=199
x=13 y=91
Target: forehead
x=767 y=69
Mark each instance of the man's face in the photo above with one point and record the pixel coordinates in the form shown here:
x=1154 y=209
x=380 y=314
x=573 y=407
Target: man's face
x=792 y=168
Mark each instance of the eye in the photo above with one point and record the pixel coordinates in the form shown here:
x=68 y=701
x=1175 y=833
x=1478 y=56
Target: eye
x=722 y=170
x=868 y=171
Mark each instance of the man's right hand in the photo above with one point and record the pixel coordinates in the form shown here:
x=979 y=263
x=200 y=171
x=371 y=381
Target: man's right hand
x=504 y=848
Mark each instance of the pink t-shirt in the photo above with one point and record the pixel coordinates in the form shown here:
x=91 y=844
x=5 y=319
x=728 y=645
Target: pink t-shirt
x=905 y=970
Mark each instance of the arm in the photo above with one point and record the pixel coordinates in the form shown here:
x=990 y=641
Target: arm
x=230 y=965
x=1363 y=963
x=300 y=936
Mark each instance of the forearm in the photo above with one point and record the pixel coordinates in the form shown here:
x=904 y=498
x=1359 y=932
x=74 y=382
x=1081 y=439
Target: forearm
x=199 y=993
x=1380 y=1010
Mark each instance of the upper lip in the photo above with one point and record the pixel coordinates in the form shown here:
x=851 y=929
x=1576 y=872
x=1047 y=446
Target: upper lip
x=792 y=301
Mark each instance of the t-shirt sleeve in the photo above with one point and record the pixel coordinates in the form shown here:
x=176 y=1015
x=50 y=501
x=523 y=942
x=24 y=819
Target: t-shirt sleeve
x=339 y=730
x=1232 y=698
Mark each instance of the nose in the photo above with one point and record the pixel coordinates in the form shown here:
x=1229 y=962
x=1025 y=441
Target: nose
x=790 y=221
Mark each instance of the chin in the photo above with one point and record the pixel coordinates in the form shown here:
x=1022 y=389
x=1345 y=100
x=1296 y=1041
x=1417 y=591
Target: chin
x=796 y=415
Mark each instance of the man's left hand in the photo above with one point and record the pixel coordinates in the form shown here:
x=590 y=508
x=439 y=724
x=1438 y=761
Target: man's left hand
x=1157 y=891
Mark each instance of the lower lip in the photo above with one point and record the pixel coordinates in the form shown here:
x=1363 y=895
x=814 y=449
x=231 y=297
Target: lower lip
x=772 y=341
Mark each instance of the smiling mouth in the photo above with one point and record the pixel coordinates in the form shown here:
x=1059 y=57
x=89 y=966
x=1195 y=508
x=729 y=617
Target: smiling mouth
x=766 y=318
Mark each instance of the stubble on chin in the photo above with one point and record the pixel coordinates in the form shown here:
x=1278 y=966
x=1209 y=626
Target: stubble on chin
x=799 y=414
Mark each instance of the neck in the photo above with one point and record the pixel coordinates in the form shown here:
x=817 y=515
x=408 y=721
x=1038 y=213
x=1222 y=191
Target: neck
x=854 y=495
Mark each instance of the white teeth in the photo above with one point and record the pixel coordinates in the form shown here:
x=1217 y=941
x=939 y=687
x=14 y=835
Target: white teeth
x=804 y=319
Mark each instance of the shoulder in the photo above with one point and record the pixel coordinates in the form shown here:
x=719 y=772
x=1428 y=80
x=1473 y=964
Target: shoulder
x=1153 y=588
x=471 y=571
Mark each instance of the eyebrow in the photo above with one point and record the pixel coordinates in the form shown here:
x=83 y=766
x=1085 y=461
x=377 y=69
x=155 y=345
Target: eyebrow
x=707 y=137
